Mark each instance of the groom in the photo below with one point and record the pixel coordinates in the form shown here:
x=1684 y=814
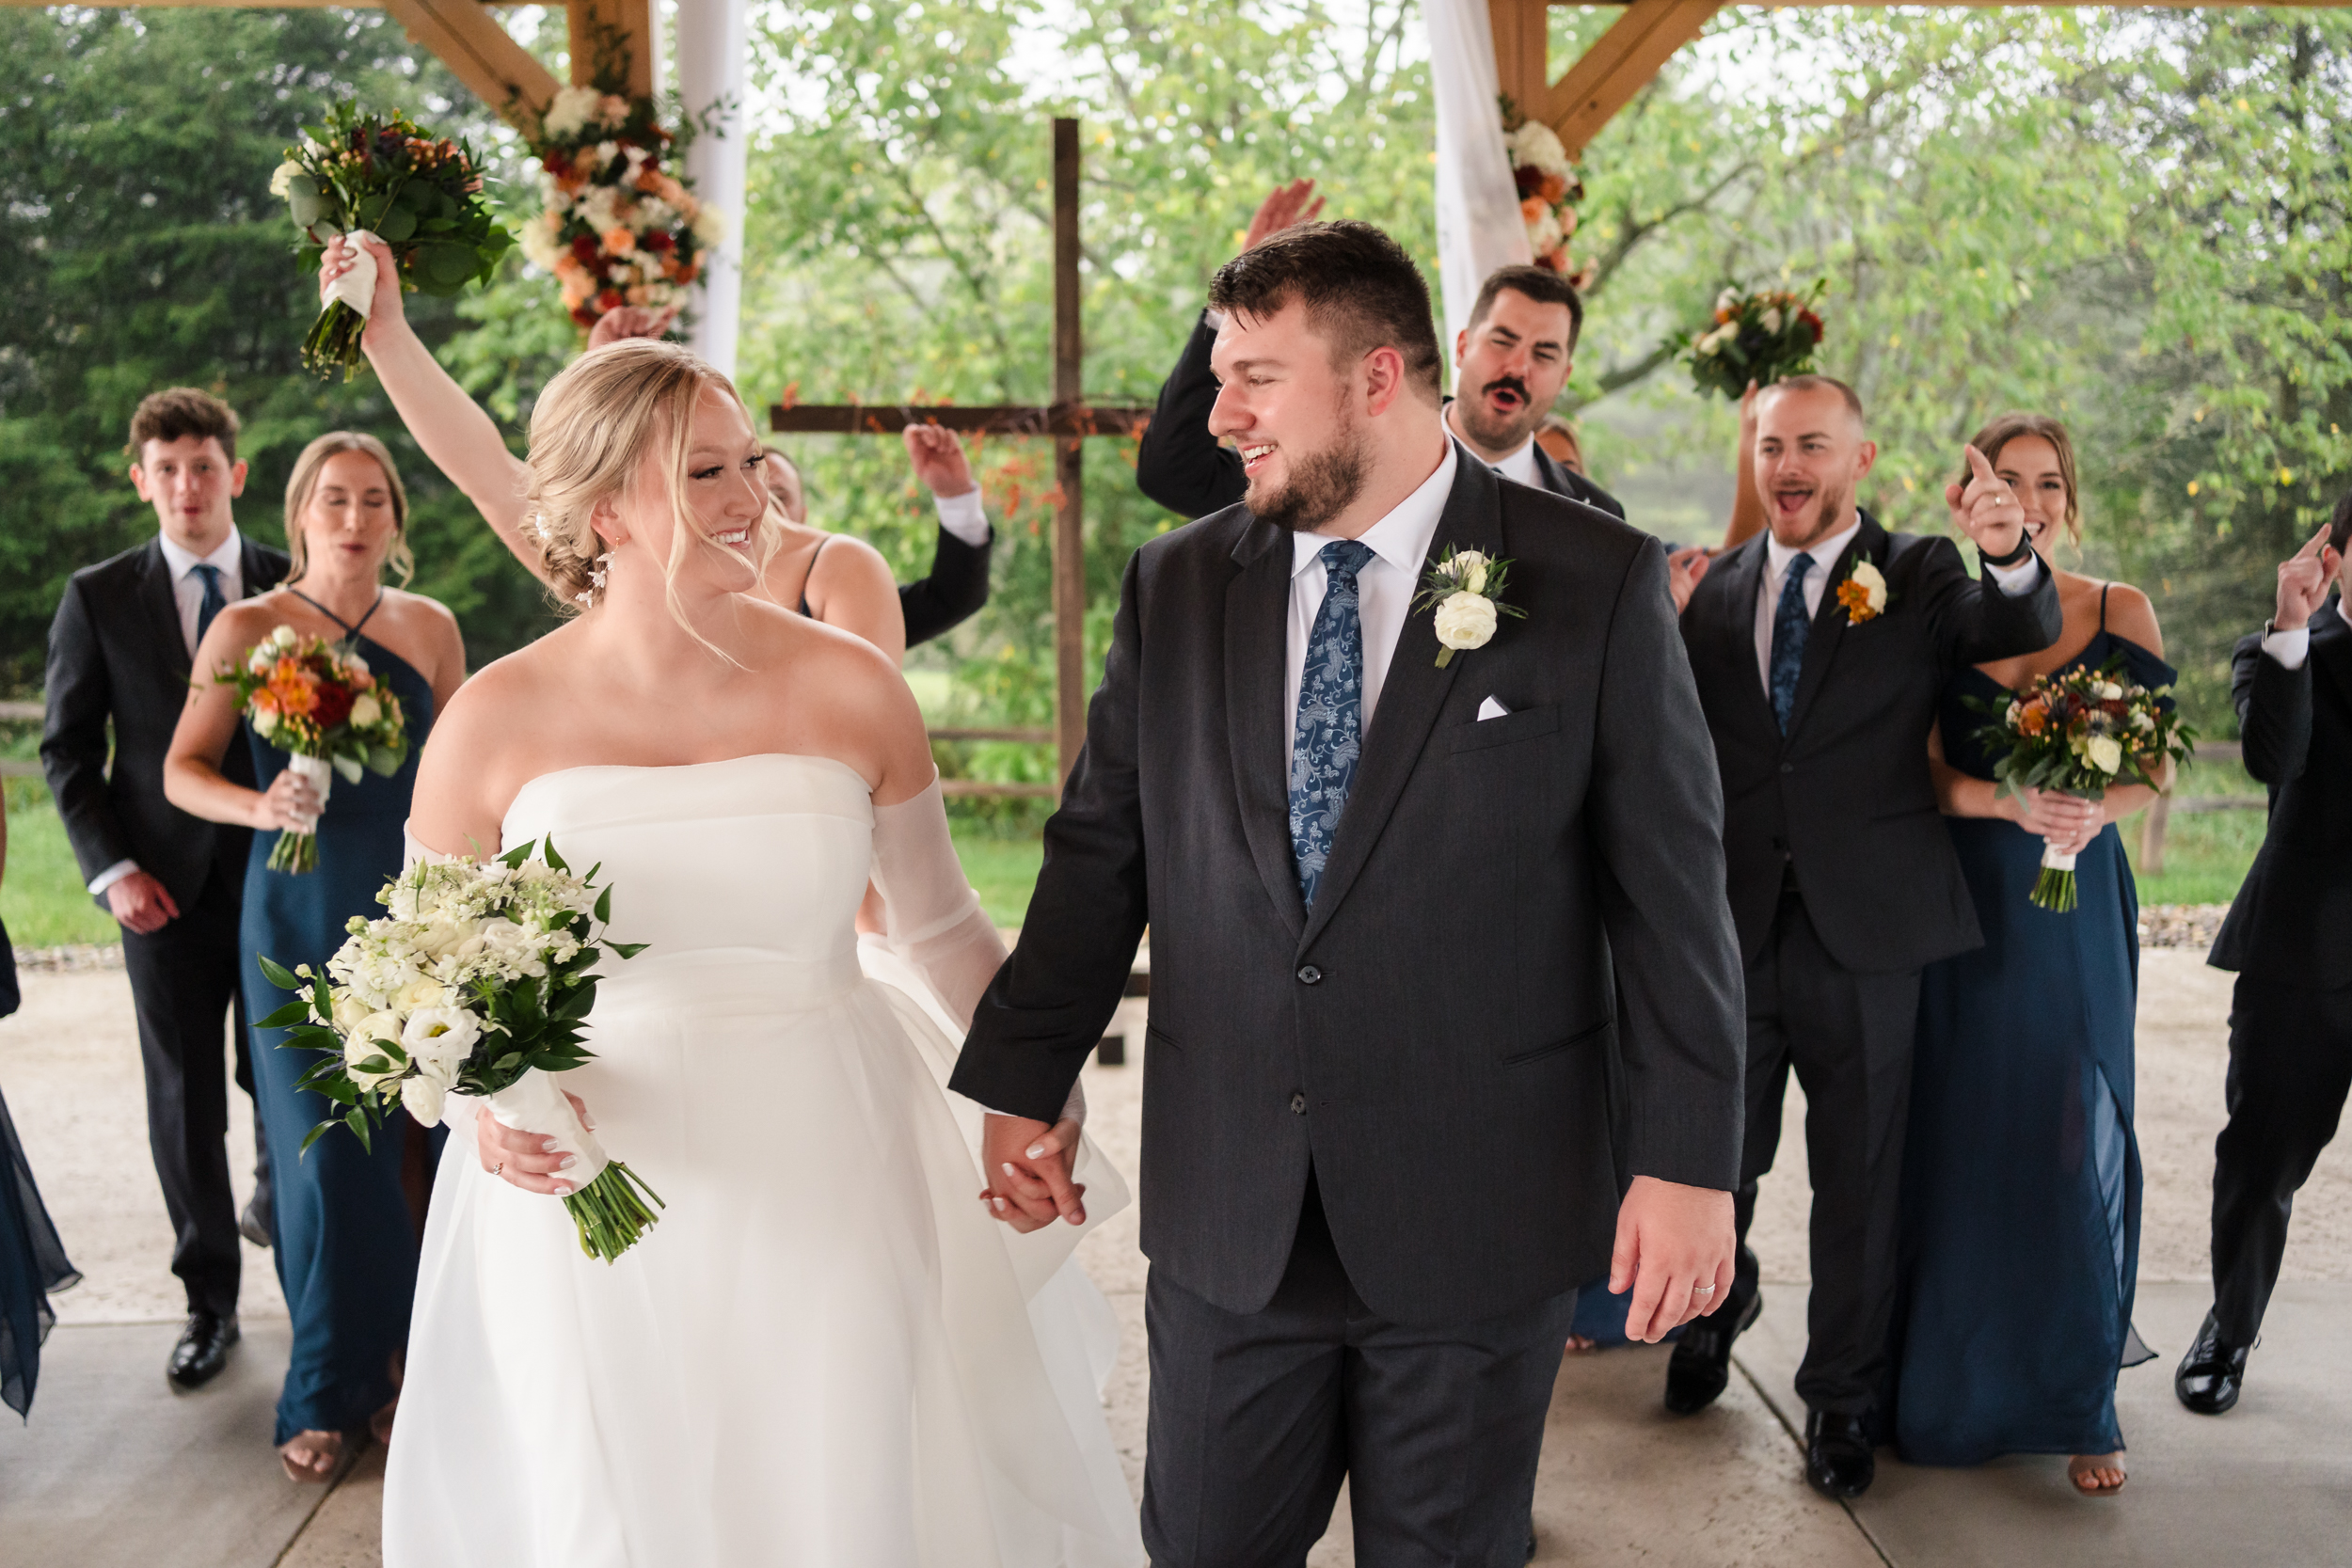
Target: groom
x=1385 y=898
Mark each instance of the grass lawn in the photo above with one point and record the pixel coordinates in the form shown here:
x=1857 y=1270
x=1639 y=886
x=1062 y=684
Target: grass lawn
x=41 y=899
x=1002 y=870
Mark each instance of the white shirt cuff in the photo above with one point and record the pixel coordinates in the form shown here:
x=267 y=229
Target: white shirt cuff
x=115 y=873
x=2016 y=581
x=963 y=516
x=2290 y=648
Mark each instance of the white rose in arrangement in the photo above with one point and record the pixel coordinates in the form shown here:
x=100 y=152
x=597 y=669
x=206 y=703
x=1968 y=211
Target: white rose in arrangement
x=1544 y=235
x=265 y=721
x=365 y=1043
x=1538 y=144
x=2144 y=721
x=357 y=665
x=1771 y=320
x=441 y=1034
x=350 y=1012
x=421 y=992
x=2109 y=693
x=2105 y=753
x=1873 y=584
x=422 y=1095
x=282 y=638
x=282 y=180
x=1726 y=300
x=711 y=225
x=567 y=112
x=366 y=711
x=1466 y=619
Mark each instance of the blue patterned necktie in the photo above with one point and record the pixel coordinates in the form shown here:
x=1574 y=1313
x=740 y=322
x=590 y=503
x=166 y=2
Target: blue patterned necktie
x=213 y=604
x=1790 y=626
x=1330 y=736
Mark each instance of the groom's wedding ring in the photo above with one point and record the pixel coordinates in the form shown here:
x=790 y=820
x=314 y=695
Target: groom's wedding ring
x=1702 y=1289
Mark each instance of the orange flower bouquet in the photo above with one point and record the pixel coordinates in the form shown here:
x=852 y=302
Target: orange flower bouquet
x=319 y=703
x=2081 y=733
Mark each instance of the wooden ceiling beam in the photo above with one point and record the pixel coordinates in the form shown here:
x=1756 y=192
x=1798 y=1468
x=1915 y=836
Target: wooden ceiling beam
x=481 y=53
x=1621 y=62
x=625 y=25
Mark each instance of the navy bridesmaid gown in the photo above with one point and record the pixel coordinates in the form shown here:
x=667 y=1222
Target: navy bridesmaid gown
x=344 y=1235
x=32 y=1260
x=2021 y=1175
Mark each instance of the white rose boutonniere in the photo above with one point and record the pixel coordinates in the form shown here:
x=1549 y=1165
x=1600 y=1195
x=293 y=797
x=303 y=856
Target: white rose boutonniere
x=1465 y=589
x=1863 y=592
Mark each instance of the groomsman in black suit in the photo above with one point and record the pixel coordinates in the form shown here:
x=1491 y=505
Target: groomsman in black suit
x=1819 y=647
x=120 y=655
x=1509 y=365
x=2291 y=1016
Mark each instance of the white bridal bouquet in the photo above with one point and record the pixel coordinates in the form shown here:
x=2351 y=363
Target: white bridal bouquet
x=477 y=982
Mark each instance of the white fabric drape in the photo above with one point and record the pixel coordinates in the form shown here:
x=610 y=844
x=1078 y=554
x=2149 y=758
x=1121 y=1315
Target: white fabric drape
x=1479 y=226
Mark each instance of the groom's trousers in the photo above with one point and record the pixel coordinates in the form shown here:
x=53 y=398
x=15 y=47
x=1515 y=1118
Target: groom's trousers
x=1847 y=1036
x=1256 y=1417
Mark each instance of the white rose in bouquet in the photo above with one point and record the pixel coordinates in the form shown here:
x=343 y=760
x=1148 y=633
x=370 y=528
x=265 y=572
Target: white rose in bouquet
x=365 y=1044
x=2105 y=753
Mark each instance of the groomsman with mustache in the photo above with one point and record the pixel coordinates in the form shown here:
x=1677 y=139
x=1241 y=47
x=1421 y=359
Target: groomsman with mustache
x=1821 y=647
x=1509 y=365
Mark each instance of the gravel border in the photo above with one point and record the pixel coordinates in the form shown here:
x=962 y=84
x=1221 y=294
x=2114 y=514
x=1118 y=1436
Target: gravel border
x=71 y=960
x=2180 y=925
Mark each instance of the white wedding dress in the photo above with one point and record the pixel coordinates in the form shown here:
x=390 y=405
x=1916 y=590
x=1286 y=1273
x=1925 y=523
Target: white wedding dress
x=826 y=1354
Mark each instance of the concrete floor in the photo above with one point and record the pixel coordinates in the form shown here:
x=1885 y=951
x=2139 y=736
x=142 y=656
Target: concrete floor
x=113 y=1468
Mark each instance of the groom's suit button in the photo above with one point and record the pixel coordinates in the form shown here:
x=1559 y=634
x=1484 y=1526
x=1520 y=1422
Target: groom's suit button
x=1299 y=1104
x=1309 y=974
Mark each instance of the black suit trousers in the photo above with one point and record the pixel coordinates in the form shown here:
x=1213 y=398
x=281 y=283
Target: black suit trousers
x=2290 y=1065
x=1257 y=1417
x=184 y=986
x=1849 y=1037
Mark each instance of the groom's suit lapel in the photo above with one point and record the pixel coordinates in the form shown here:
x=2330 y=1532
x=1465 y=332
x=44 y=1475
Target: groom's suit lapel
x=1257 y=625
x=1411 y=695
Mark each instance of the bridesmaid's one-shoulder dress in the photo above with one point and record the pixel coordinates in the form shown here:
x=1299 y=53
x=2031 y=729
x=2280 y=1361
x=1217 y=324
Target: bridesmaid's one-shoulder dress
x=2020 y=1175
x=344 y=1238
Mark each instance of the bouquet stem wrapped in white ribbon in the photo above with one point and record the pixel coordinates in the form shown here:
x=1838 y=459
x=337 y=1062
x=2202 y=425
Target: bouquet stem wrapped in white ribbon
x=477 y=982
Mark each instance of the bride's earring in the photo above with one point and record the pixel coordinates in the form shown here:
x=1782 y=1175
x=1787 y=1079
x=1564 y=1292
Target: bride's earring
x=596 y=579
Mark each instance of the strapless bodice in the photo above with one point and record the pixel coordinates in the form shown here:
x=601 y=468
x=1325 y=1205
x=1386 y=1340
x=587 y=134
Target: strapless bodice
x=742 y=877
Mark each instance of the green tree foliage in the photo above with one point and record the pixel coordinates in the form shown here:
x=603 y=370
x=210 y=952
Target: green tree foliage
x=146 y=252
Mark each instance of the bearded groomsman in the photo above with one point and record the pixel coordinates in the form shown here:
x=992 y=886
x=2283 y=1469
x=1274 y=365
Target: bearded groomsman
x=2291 y=1014
x=119 y=656
x=1820 y=648
x=1509 y=365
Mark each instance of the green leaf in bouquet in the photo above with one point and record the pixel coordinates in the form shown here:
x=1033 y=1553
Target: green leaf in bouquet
x=322 y=1000
x=450 y=265
x=304 y=202
x=573 y=1002
x=546 y=853
x=516 y=856
x=627 y=949
x=396 y=226
x=292 y=1013
x=277 y=973
x=313 y=1037
x=504 y=1063
x=384 y=761
x=376 y=1066
x=356 y=1121
x=346 y=767
x=436 y=226
x=414 y=196
x=604 y=902
x=312 y=1136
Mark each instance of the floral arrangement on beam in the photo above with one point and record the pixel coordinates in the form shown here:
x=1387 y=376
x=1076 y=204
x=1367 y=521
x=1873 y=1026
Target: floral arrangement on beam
x=615 y=227
x=1548 y=188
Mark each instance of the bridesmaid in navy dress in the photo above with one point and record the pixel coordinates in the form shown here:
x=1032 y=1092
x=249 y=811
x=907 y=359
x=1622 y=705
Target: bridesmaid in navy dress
x=347 y=1220
x=2021 y=1177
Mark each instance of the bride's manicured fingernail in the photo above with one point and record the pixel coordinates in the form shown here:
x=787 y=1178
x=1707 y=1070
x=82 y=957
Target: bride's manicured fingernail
x=1037 y=1151
x=588 y=1121
x=1079 y=1218
x=1000 y=1204
x=569 y=1161
x=563 y=1189
x=547 y=1146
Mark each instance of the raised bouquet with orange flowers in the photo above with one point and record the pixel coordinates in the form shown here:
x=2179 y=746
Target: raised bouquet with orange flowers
x=385 y=175
x=1761 y=337
x=2081 y=733
x=615 y=226
x=1546 y=179
x=319 y=703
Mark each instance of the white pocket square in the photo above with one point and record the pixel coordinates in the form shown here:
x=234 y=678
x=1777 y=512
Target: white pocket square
x=1491 y=709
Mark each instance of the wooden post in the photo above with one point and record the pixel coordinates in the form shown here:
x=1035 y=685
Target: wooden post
x=1522 y=35
x=1069 y=568
x=2151 y=829
x=1621 y=62
x=627 y=26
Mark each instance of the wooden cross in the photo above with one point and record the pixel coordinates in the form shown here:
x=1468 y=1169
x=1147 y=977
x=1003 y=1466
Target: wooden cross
x=1068 y=419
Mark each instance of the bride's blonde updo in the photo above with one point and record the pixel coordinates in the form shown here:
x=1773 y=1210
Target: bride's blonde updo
x=594 y=425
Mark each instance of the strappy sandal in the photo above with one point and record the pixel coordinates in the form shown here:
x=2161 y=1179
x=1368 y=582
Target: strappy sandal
x=2083 y=1470
x=311 y=1457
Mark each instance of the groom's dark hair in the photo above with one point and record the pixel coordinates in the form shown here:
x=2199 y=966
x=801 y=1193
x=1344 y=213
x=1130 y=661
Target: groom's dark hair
x=1360 y=290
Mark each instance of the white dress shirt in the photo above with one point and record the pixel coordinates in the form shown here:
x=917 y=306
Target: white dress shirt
x=963 y=516
x=188 y=592
x=2012 y=580
x=2290 y=648
x=189 y=588
x=1384 y=590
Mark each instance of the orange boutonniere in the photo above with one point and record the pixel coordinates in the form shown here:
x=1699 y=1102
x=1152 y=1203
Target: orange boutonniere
x=1863 y=593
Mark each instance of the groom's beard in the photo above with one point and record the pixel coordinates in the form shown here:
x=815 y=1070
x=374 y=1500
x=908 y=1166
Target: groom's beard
x=1322 y=485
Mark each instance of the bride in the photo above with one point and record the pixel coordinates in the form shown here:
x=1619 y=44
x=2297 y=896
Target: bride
x=827 y=1352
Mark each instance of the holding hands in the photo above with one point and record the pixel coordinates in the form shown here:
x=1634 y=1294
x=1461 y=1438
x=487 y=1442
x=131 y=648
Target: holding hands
x=1029 y=1164
x=1986 y=510
x=2303 y=579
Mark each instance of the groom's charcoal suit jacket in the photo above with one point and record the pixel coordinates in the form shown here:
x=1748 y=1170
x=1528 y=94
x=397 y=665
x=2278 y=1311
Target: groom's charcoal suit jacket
x=1437 y=1038
x=2292 y=920
x=1844 y=802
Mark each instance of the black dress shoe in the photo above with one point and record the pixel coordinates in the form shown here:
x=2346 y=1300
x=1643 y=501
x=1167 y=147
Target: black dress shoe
x=1839 y=1458
x=2212 y=1372
x=253 y=1225
x=1701 y=1366
x=203 y=1349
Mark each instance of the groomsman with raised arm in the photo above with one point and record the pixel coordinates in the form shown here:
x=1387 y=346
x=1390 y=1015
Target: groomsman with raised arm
x=1820 y=648
x=2291 y=1015
x=119 y=656
x=1509 y=365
